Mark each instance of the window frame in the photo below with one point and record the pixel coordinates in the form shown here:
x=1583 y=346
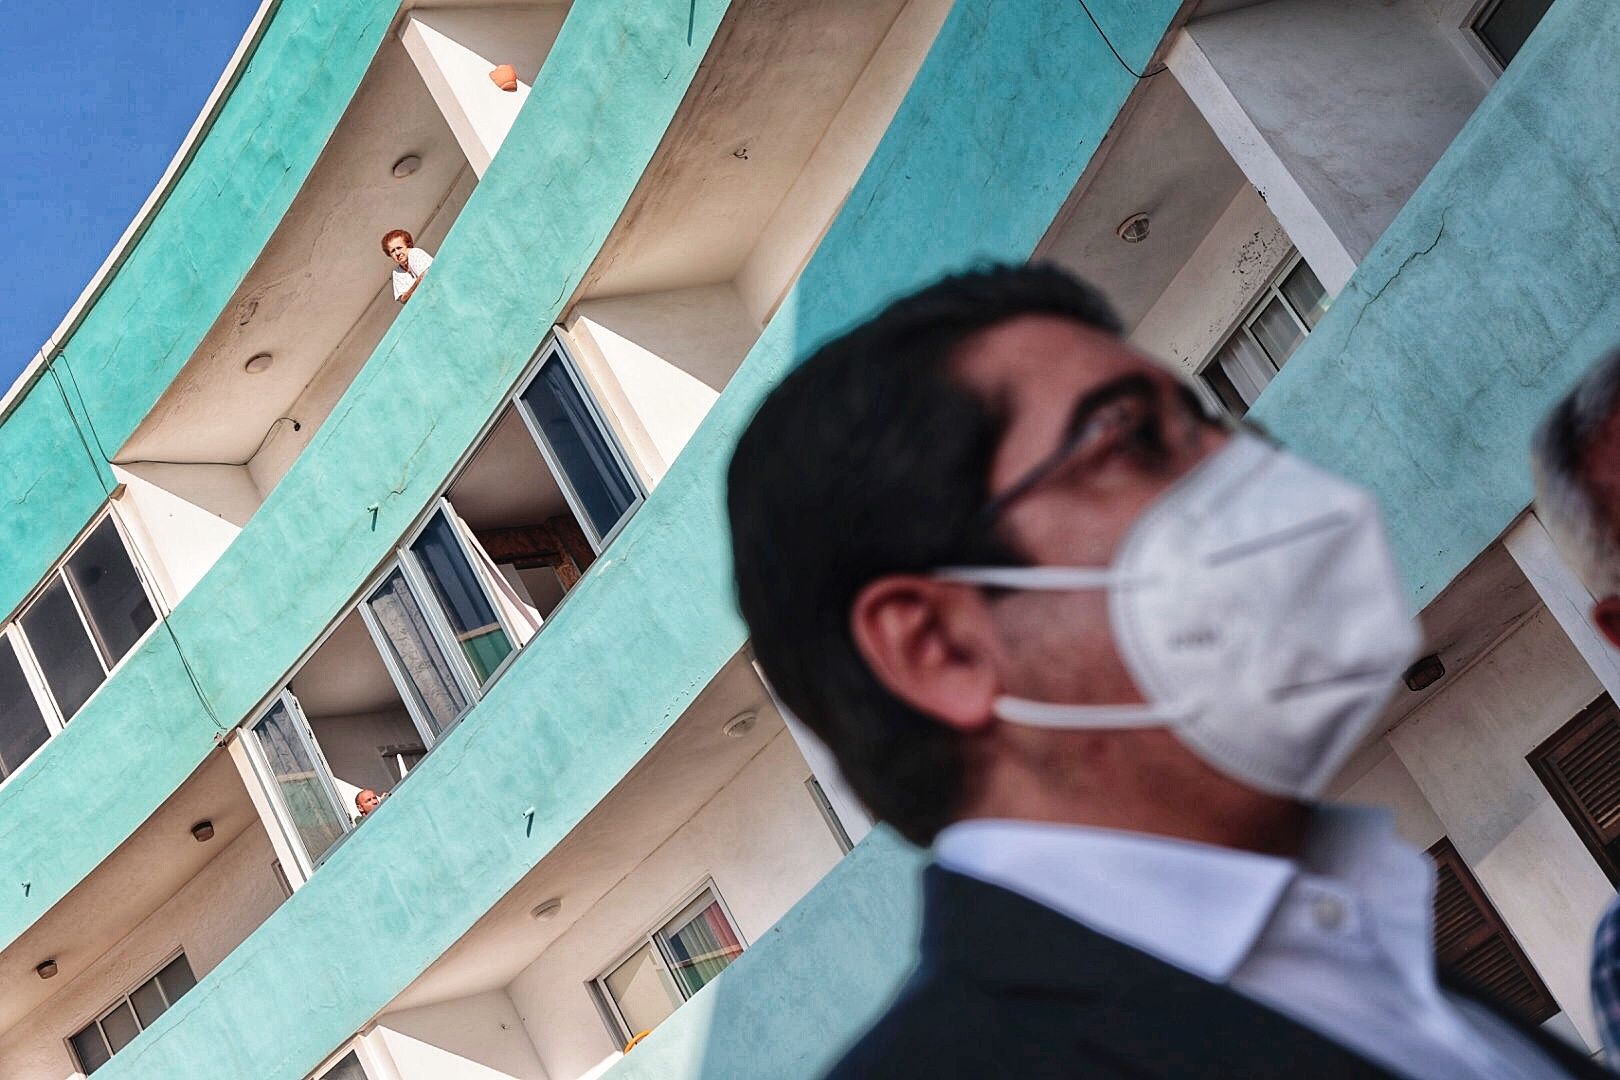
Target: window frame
x=554 y=348
x=33 y=672
x=607 y=1006
x=267 y=782
x=1477 y=13
x=126 y=998
x=1244 y=323
x=1541 y=762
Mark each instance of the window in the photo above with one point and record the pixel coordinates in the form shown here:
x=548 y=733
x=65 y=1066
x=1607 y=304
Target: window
x=579 y=447
x=87 y=616
x=1503 y=26
x=1471 y=940
x=1580 y=765
x=96 y=1043
x=291 y=763
x=22 y=722
x=1287 y=311
x=669 y=966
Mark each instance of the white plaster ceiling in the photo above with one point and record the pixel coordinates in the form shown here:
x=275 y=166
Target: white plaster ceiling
x=665 y=788
x=345 y=676
x=1161 y=159
x=316 y=277
x=507 y=483
x=129 y=885
x=759 y=105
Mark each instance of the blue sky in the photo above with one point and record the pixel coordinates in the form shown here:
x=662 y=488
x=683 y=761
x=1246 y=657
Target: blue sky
x=98 y=97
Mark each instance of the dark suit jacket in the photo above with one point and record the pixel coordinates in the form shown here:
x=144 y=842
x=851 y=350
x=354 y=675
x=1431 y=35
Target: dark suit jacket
x=1007 y=987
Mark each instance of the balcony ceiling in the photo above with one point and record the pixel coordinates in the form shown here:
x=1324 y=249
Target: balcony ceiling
x=319 y=274
x=1161 y=159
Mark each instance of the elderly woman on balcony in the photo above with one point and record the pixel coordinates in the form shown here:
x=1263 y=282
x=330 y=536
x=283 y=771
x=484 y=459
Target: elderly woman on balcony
x=412 y=262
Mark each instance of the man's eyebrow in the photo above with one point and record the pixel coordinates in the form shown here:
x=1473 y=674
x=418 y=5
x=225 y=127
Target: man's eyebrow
x=1126 y=386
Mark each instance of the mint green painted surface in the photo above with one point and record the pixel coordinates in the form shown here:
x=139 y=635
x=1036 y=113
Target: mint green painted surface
x=653 y=620
x=1488 y=295
x=1424 y=381
x=615 y=76
x=180 y=274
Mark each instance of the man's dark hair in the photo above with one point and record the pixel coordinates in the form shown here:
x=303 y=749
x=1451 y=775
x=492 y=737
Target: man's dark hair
x=870 y=460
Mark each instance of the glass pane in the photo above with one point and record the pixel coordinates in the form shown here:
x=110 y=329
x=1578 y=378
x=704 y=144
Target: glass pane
x=1508 y=26
x=90 y=1048
x=1310 y=300
x=472 y=617
x=177 y=978
x=347 y=1069
x=702 y=945
x=72 y=669
x=1220 y=382
x=1277 y=332
x=120 y=1027
x=642 y=992
x=309 y=806
x=109 y=591
x=580 y=446
x=22 y=726
x=148 y=1002
x=414 y=649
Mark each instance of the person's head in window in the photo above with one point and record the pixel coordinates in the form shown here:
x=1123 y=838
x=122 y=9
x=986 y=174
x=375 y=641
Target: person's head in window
x=1575 y=459
x=366 y=801
x=397 y=245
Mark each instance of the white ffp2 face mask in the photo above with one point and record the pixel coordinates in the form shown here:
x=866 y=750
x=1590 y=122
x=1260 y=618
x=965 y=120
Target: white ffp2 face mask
x=1257 y=606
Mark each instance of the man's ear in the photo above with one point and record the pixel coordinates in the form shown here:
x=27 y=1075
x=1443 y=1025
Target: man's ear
x=1606 y=614
x=932 y=644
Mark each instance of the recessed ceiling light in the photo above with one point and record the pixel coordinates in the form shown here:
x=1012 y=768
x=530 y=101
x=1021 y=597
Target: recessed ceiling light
x=203 y=831
x=739 y=725
x=258 y=362
x=406 y=165
x=1134 y=229
x=547 y=909
x=46 y=969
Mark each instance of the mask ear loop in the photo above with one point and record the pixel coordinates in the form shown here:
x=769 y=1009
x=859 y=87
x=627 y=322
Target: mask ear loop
x=1052 y=714
x=1043 y=578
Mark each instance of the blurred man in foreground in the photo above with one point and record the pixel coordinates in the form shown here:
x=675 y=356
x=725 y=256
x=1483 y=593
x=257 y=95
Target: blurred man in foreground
x=1104 y=654
x=1575 y=459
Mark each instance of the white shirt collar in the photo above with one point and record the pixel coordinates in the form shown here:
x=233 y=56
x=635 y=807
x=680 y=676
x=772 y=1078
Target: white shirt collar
x=1197 y=906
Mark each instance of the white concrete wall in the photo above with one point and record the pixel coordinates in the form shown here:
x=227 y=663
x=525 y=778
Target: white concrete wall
x=351 y=745
x=1465 y=749
x=208 y=917
x=761 y=839
x=183 y=517
x=455 y=49
x=657 y=361
x=471 y=1038
x=1216 y=285
x=811 y=203
x=1382 y=86
x=322 y=393
x=1383 y=781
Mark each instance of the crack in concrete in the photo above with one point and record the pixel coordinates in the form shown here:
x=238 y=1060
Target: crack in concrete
x=1399 y=270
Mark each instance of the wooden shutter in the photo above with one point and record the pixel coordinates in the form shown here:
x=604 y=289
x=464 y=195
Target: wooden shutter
x=1471 y=941
x=1580 y=765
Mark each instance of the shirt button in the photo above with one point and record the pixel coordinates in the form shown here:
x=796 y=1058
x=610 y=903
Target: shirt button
x=1328 y=911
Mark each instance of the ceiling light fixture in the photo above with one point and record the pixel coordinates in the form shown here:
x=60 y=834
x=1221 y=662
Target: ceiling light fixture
x=258 y=362
x=406 y=166
x=547 y=909
x=739 y=725
x=203 y=831
x=1134 y=229
x=46 y=969
x=1425 y=673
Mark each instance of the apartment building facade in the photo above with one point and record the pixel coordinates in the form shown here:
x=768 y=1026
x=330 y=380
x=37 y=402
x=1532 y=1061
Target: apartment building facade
x=271 y=539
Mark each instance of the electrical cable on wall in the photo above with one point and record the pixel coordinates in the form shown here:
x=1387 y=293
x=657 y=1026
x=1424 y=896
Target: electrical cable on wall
x=146 y=567
x=1104 y=35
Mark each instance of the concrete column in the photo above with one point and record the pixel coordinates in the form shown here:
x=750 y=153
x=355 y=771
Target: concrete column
x=456 y=48
x=1565 y=597
x=1335 y=111
x=286 y=849
x=851 y=814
